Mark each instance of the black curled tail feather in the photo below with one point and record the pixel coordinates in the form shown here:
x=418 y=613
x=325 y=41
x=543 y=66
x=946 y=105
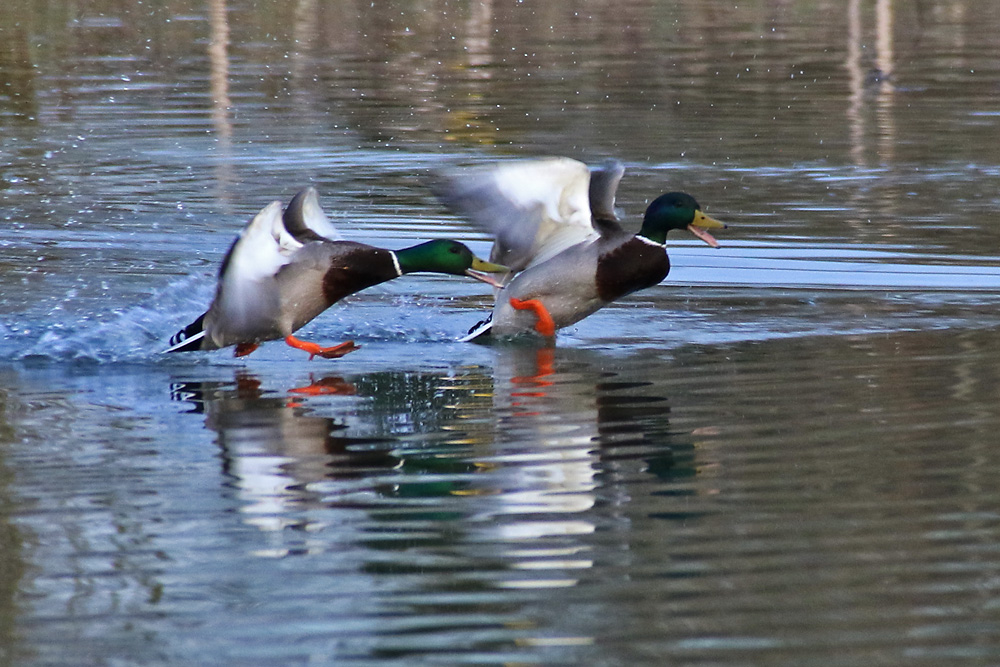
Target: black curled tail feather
x=480 y=330
x=189 y=338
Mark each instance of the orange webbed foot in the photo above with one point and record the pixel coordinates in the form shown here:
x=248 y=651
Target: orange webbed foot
x=243 y=349
x=545 y=324
x=313 y=349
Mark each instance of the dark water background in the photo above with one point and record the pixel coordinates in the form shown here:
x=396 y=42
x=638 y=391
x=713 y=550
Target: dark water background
x=785 y=454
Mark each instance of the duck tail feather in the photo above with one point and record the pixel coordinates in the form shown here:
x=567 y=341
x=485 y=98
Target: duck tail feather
x=480 y=330
x=189 y=338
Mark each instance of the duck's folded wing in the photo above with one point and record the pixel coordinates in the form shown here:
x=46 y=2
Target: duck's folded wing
x=534 y=208
x=305 y=220
x=246 y=293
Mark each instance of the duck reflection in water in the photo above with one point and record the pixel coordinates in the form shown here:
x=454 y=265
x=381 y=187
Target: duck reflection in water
x=275 y=448
x=517 y=452
x=567 y=424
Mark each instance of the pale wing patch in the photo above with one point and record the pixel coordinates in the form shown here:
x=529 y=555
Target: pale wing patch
x=316 y=220
x=286 y=243
x=262 y=248
x=246 y=294
x=557 y=191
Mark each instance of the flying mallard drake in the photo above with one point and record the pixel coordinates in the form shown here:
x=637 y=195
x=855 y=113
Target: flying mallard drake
x=284 y=269
x=555 y=226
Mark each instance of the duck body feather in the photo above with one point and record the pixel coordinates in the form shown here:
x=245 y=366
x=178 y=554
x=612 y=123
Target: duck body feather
x=284 y=269
x=580 y=280
x=317 y=275
x=281 y=272
x=554 y=224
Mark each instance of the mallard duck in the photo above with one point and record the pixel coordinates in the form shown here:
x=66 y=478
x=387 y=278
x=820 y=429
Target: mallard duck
x=555 y=226
x=284 y=269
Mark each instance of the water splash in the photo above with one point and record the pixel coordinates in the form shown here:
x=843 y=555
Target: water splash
x=140 y=333
x=130 y=334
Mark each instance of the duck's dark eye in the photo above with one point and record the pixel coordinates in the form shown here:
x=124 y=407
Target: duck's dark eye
x=454 y=250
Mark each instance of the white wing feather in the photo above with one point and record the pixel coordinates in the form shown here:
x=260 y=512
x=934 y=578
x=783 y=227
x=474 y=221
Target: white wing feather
x=558 y=188
x=534 y=208
x=247 y=293
x=315 y=219
x=263 y=247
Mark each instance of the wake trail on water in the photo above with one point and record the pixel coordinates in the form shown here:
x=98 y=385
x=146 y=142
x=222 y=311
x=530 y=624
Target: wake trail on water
x=141 y=333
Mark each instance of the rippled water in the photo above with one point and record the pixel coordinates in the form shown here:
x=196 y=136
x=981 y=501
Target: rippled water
x=784 y=454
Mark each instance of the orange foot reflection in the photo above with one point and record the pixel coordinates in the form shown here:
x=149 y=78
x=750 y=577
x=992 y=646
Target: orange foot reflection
x=544 y=365
x=327 y=386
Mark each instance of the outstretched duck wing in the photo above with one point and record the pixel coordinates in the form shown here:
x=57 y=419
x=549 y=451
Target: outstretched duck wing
x=534 y=208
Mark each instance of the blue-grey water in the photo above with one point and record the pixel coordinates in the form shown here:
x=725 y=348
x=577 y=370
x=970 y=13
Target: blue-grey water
x=786 y=454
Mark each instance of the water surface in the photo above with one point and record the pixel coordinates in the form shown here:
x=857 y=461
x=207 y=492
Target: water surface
x=784 y=454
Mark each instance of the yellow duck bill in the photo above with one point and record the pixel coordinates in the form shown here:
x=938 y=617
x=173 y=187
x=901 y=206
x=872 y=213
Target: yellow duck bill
x=702 y=222
x=481 y=269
